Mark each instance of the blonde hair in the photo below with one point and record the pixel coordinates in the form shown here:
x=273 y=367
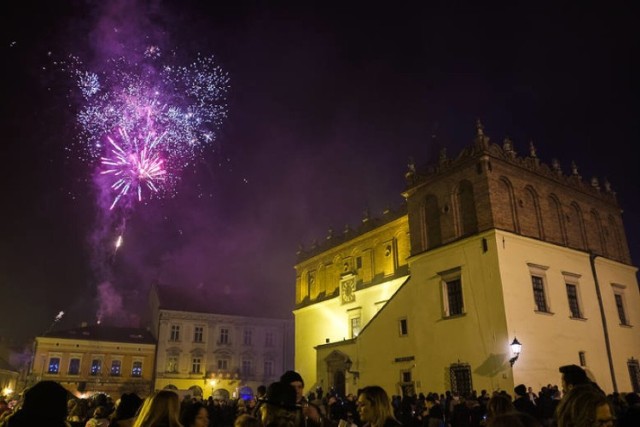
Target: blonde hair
x=161 y=407
x=380 y=402
x=578 y=407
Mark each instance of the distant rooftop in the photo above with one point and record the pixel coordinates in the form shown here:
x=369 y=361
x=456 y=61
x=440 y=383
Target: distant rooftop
x=105 y=333
x=212 y=301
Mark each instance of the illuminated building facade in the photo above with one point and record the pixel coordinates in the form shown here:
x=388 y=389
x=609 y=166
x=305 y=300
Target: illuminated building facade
x=501 y=247
x=221 y=355
x=96 y=359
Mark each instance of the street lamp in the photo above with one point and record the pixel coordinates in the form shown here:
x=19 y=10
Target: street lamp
x=516 y=347
x=348 y=364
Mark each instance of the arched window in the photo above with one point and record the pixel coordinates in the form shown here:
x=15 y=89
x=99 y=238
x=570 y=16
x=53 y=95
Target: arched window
x=432 y=222
x=468 y=218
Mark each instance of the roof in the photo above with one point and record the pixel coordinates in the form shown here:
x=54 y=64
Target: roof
x=213 y=301
x=105 y=333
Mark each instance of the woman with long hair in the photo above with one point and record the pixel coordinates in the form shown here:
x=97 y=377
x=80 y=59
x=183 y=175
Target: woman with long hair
x=161 y=409
x=584 y=406
x=374 y=408
x=195 y=415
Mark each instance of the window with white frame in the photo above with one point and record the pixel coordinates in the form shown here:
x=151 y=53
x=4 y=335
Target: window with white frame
x=223 y=364
x=116 y=368
x=404 y=327
x=246 y=367
x=452 y=298
x=136 y=368
x=539 y=287
x=247 y=337
x=54 y=365
x=174 y=333
x=618 y=295
x=195 y=365
x=172 y=362
x=355 y=321
x=224 y=336
x=268 y=339
x=268 y=368
x=198 y=333
x=573 y=294
x=96 y=367
x=74 y=366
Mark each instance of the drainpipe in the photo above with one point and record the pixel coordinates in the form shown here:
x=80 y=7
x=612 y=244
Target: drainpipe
x=607 y=343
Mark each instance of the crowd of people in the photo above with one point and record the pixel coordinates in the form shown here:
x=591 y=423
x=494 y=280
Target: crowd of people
x=579 y=403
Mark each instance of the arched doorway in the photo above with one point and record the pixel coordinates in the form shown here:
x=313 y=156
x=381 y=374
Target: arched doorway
x=195 y=391
x=221 y=394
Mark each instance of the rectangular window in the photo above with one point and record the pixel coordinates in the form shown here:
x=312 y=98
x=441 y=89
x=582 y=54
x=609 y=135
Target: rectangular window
x=224 y=336
x=54 y=365
x=223 y=364
x=74 y=366
x=359 y=262
x=355 y=326
x=460 y=374
x=268 y=368
x=172 y=363
x=454 y=297
x=404 y=328
x=539 y=294
x=583 y=358
x=198 y=333
x=116 y=365
x=136 y=369
x=174 y=333
x=621 y=311
x=195 y=365
x=268 y=339
x=246 y=368
x=572 y=297
x=247 y=337
x=634 y=374
x=406 y=376
x=96 y=367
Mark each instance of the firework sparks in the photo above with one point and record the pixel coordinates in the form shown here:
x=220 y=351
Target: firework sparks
x=145 y=122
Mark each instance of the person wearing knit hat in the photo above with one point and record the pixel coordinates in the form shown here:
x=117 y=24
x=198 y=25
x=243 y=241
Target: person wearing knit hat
x=310 y=415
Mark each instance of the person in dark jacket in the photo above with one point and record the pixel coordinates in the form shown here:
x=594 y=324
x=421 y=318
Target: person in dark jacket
x=45 y=404
x=523 y=403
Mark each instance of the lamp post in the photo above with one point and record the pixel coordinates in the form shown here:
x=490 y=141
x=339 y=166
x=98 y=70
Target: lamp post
x=516 y=347
x=356 y=374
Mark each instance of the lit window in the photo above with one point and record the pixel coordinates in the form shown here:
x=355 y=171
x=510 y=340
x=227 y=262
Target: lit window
x=195 y=365
x=96 y=367
x=174 y=333
x=116 y=365
x=404 y=327
x=136 y=369
x=54 y=365
x=74 y=366
x=572 y=297
x=172 y=363
x=224 y=336
x=355 y=326
x=198 y=333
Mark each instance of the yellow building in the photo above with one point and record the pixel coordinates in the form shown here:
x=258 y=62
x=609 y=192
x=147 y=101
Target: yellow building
x=501 y=247
x=96 y=359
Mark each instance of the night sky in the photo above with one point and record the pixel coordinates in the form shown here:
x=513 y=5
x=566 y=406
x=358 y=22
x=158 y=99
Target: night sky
x=328 y=101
